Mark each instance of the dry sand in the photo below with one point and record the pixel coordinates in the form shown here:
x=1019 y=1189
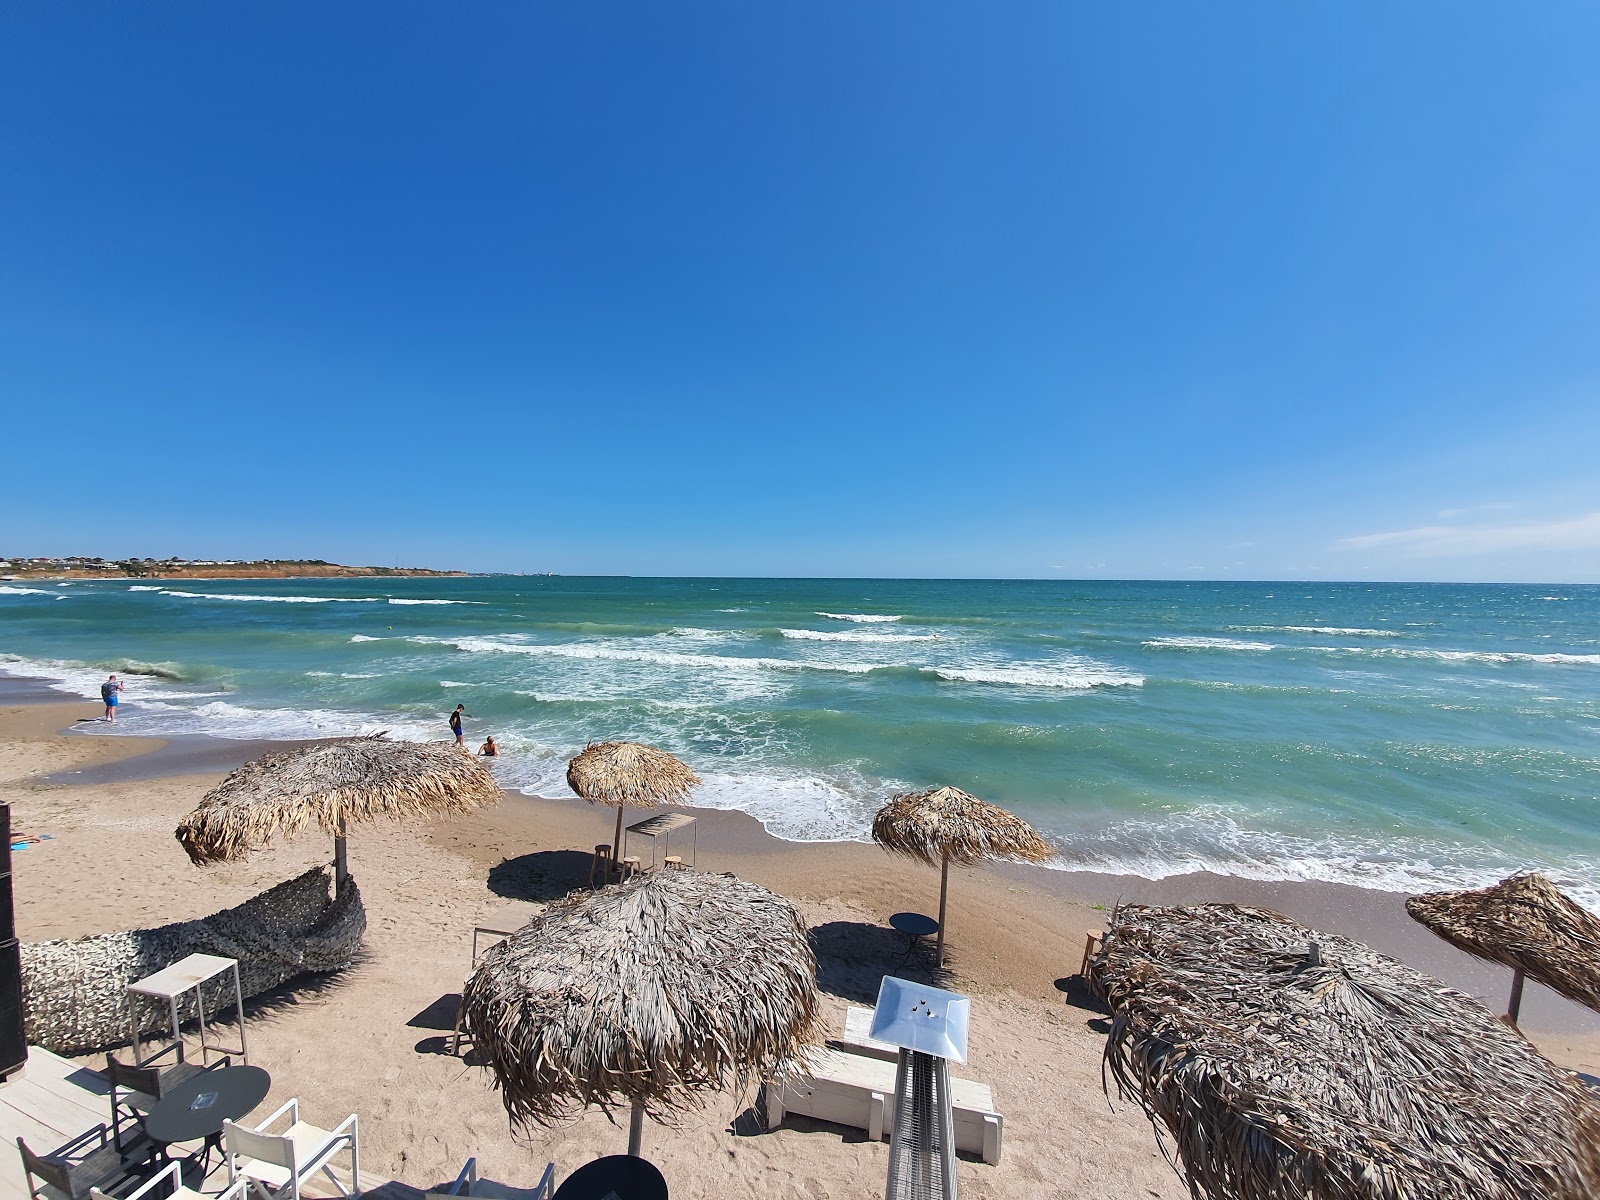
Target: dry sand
x=374 y=1039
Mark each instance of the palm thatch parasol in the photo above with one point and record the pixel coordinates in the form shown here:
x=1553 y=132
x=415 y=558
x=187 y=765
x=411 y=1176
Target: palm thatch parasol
x=1527 y=924
x=946 y=825
x=639 y=995
x=330 y=784
x=623 y=773
x=1290 y=1063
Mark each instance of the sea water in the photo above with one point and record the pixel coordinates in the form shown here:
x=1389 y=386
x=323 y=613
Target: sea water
x=1398 y=736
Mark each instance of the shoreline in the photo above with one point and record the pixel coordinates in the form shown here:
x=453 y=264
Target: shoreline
x=1058 y=905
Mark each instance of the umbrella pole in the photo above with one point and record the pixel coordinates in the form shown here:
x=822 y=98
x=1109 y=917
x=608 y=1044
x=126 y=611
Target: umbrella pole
x=944 y=888
x=636 y=1129
x=1514 y=1008
x=616 y=844
x=341 y=870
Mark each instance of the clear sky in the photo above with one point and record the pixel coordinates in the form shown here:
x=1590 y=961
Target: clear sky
x=1228 y=290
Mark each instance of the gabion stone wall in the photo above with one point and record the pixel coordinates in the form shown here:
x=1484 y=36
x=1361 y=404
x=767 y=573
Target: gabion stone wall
x=74 y=993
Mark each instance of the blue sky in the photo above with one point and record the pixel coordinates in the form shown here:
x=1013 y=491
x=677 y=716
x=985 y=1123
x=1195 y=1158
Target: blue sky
x=1161 y=290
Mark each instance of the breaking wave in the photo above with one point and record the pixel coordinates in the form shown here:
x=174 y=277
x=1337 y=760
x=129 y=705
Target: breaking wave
x=1209 y=643
x=861 y=618
x=850 y=635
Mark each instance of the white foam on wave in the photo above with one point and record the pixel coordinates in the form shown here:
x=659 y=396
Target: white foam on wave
x=7 y=589
x=690 y=633
x=450 y=683
x=862 y=618
x=1478 y=656
x=1209 y=643
x=361 y=637
x=399 y=600
x=240 y=596
x=794 y=806
x=144 y=587
x=1077 y=675
x=660 y=658
x=851 y=635
x=1328 y=630
x=1209 y=839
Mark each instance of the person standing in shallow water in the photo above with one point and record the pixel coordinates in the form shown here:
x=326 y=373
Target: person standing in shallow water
x=108 y=693
x=455 y=721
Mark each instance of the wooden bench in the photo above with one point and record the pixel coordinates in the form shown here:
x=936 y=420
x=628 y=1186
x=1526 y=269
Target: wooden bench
x=858 y=1091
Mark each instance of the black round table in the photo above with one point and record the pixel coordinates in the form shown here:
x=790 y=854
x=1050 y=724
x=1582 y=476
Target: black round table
x=619 y=1175
x=915 y=926
x=196 y=1108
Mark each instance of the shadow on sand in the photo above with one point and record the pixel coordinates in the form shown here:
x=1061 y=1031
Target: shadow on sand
x=853 y=957
x=542 y=876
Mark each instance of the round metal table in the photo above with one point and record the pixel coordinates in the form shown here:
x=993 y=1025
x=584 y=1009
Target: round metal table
x=196 y=1108
x=617 y=1175
x=916 y=927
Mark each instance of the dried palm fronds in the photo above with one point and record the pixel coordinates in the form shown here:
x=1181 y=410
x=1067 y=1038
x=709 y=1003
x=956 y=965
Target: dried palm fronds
x=329 y=784
x=945 y=825
x=1291 y=1063
x=1526 y=923
x=641 y=995
x=623 y=773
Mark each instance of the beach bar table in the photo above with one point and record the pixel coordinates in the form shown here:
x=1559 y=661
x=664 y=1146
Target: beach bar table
x=503 y=922
x=662 y=826
x=170 y=984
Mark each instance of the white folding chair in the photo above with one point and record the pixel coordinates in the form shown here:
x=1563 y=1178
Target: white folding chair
x=278 y=1163
x=171 y=1177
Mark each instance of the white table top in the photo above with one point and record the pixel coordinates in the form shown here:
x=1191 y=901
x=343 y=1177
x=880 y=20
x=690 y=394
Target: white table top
x=509 y=919
x=662 y=823
x=182 y=976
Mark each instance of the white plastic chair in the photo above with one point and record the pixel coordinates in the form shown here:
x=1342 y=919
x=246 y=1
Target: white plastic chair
x=172 y=1176
x=468 y=1184
x=278 y=1163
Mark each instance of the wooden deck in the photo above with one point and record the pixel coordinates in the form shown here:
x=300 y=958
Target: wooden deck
x=54 y=1101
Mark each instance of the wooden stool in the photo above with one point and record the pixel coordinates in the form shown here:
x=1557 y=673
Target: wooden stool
x=1091 y=943
x=602 y=854
x=630 y=866
x=674 y=862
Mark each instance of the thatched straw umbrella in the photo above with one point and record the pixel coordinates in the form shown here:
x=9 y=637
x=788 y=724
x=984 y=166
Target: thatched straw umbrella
x=640 y=995
x=946 y=825
x=1527 y=924
x=623 y=773
x=330 y=784
x=1290 y=1063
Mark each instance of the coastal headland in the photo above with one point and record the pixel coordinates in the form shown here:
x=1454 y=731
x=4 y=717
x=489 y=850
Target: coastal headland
x=80 y=568
x=374 y=1039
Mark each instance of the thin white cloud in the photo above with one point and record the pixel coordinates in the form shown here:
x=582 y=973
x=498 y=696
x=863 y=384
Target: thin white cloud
x=1439 y=541
x=1450 y=514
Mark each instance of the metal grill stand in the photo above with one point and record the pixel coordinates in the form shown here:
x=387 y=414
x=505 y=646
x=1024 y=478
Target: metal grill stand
x=930 y=1027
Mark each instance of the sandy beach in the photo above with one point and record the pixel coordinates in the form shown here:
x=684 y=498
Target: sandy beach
x=375 y=1038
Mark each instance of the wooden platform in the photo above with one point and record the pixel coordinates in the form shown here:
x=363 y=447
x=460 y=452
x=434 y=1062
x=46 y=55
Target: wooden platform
x=54 y=1101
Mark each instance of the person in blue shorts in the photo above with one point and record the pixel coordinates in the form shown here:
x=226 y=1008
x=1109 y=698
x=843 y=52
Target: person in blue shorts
x=108 y=693
x=455 y=721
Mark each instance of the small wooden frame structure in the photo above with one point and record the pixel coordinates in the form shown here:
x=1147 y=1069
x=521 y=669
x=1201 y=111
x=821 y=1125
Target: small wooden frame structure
x=662 y=826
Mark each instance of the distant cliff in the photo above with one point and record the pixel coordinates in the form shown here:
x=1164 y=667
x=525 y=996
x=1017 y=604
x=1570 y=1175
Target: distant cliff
x=149 y=568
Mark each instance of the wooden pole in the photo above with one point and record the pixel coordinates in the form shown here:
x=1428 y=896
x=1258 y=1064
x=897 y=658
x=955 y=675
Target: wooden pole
x=616 y=845
x=1514 y=1009
x=944 y=888
x=341 y=869
x=636 y=1129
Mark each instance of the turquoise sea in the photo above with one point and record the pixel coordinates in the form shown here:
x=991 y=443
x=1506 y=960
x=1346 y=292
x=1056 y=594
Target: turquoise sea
x=1393 y=735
